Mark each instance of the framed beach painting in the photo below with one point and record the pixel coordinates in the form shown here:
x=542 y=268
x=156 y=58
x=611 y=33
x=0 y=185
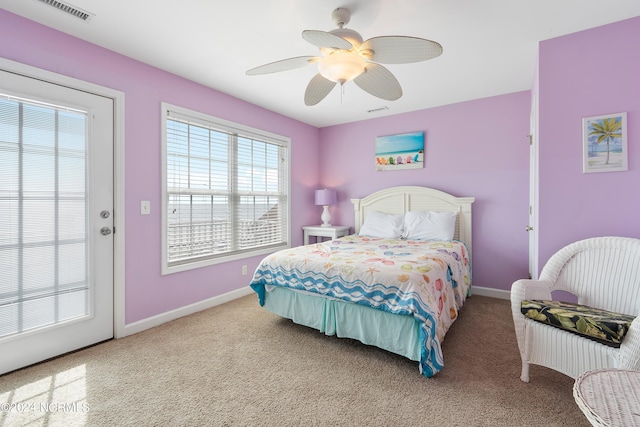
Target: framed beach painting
x=604 y=143
x=397 y=152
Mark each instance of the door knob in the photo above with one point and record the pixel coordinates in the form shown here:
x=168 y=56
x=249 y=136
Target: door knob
x=528 y=228
x=105 y=231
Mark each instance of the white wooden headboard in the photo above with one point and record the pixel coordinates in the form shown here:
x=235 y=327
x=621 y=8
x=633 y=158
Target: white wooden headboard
x=400 y=200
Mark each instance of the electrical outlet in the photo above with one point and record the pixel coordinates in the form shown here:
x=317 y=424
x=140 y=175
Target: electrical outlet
x=244 y=270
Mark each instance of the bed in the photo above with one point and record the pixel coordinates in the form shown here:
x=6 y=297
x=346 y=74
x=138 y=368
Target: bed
x=398 y=283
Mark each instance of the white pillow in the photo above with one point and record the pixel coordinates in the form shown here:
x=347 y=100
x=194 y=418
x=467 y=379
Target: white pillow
x=429 y=225
x=378 y=224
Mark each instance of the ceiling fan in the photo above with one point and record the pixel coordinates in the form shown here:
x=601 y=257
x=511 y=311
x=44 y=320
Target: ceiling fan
x=344 y=56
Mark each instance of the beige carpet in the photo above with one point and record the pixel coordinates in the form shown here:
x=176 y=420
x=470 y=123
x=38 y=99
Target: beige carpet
x=237 y=364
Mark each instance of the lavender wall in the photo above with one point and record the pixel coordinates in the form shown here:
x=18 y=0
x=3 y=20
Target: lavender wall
x=147 y=292
x=477 y=148
x=586 y=74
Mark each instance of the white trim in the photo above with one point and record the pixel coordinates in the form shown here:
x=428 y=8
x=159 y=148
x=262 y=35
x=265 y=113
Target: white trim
x=534 y=181
x=119 y=218
x=119 y=187
x=159 y=319
x=490 y=292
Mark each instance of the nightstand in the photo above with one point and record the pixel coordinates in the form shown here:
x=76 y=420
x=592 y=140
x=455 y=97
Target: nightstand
x=319 y=232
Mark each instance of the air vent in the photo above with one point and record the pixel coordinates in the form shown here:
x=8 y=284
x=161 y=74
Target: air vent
x=69 y=9
x=375 y=110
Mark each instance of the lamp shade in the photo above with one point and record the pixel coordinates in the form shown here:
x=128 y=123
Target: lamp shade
x=326 y=197
x=340 y=67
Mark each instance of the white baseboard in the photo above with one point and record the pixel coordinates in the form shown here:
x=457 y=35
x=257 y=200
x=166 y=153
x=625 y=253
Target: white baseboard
x=490 y=292
x=153 y=321
x=150 y=322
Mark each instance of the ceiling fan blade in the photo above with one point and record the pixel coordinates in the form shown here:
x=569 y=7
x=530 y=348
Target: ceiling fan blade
x=283 y=65
x=325 y=39
x=379 y=82
x=317 y=90
x=401 y=49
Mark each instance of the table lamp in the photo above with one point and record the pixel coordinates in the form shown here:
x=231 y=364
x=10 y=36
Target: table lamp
x=324 y=198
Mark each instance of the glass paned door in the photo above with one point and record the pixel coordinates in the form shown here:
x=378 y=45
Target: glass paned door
x=56 y=193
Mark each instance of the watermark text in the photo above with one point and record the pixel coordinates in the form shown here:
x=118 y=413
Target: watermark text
x=49 y=407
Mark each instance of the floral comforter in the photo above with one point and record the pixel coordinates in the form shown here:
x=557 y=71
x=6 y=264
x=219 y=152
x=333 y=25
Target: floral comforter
x=428 y=280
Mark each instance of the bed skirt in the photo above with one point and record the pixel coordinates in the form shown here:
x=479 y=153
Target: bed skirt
x=399 y=334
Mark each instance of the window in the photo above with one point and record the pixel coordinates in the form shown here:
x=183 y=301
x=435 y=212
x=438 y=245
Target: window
x=225 y=190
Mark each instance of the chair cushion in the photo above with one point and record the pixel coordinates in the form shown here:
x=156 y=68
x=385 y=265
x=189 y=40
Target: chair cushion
x=602 y=325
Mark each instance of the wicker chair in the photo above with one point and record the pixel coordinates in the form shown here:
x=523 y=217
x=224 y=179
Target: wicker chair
x=603 y=272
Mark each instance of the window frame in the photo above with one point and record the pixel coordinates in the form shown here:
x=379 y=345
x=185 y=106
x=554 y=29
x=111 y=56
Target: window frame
x=242 y=131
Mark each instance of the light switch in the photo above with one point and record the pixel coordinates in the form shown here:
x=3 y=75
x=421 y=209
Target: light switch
x=145 y=207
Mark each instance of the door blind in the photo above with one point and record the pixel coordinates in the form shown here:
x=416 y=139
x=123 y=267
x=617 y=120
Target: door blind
x=43 y=231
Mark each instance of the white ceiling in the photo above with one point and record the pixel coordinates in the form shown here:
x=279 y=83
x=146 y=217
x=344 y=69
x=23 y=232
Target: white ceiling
x=490 y=46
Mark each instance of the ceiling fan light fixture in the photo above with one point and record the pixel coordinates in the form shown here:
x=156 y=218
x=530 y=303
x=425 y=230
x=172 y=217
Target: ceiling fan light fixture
x=341 y=66
x=345 y=56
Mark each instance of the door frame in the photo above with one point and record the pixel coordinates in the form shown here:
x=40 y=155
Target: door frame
x=118 y=173
x=533 y=187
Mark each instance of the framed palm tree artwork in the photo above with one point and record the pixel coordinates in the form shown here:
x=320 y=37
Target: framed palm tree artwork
x=604 y=143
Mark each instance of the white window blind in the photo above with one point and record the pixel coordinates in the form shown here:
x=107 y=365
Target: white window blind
x=226 y=190
x=43 y=236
